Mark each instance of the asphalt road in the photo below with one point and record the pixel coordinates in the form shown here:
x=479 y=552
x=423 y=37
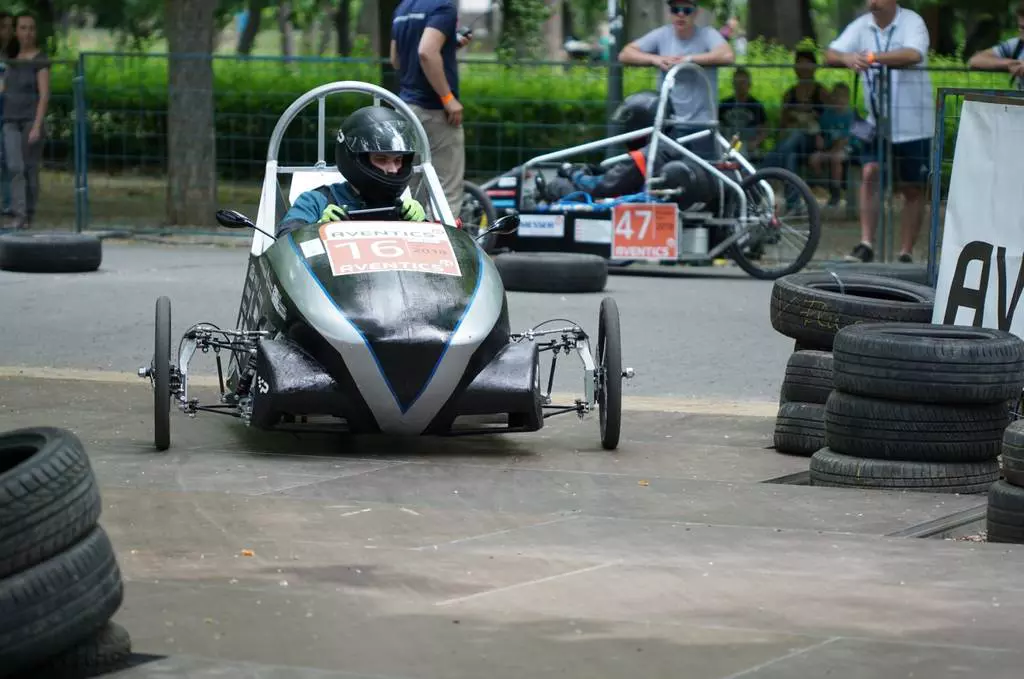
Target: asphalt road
x=699 y=335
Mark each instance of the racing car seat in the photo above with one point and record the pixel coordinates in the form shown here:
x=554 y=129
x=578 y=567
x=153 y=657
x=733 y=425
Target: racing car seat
x=307 y=181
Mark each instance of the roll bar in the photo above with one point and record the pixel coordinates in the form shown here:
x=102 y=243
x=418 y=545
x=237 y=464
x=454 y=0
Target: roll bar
x=659 y=117
x=438 y=202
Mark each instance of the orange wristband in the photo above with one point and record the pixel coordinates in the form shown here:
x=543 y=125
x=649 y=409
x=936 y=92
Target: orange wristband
x=871 y=57
x=448 y=97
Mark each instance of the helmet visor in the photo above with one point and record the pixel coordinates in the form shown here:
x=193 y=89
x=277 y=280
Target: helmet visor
x=388 y=136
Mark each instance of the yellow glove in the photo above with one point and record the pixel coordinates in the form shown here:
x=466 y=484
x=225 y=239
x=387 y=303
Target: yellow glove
x=333 y=213
x=411 y=211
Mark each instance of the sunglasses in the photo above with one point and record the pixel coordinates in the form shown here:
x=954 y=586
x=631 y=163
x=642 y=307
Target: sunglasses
x=685 y=10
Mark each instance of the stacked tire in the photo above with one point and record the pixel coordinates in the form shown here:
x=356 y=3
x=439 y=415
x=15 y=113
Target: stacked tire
x=918 y=407
x=1005 y=516
x=811 y=308
x=800 y=423
x=59 y=579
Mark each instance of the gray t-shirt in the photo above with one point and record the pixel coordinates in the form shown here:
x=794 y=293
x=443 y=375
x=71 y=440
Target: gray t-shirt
x=1007 y=50
x=21 y=88
x=690 y=95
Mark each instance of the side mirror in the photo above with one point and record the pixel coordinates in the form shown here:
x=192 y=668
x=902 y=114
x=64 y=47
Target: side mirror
x=232 y=219
x=503 y=225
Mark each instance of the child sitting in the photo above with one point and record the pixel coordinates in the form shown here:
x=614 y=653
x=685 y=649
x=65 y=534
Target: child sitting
x=834 y=141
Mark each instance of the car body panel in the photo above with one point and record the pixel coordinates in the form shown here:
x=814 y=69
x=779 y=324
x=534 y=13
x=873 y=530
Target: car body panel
x=407 y=341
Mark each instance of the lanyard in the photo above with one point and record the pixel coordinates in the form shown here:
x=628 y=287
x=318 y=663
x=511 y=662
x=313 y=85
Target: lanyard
x=871 y=76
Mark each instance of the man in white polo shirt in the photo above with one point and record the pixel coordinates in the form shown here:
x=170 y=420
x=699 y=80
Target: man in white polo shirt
x=895 y=37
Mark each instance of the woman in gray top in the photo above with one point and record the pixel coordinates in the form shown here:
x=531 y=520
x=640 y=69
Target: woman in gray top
x=26 y=97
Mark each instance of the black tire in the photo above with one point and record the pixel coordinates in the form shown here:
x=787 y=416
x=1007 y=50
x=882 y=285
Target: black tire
x=58 y=604
x=929 y=363
x=609 y=360
x=913 y=432
x=490 y=215
x=1005 y=516
x=812 y=307
x=800 y=428
x=829 y=468
x=808 y=377
x=162 y=376
x=563 y=272
x=106 y=651
x=45 y=252
x=1013 y=453
x=738 y=255
x=915 y=273
x=48 y=496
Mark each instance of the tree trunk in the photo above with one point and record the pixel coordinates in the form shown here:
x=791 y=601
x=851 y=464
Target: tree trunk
x=326 y=26
x=785 y=22
x=284 y=24
x=252 y=26
x=385 y=13
x=368 y=24
x=343 y=26
x=191 y=139
x=642 y=16
x=552 y=28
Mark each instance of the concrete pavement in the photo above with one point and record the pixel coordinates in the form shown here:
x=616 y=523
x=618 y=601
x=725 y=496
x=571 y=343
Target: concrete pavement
x=526 y=555
x=705 y=335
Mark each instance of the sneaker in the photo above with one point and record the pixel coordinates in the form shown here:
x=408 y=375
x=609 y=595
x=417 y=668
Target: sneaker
x=861 y=253
x=906 y=259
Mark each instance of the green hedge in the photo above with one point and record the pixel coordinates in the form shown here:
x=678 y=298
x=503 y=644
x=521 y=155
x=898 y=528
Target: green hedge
x=512 y=112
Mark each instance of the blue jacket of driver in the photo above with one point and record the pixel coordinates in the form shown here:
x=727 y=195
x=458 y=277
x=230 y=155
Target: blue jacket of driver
x=311 y=207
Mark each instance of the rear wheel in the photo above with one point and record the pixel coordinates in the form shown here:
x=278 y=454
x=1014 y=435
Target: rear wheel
x=609 y=366
x=785 y=236
x=161 y=371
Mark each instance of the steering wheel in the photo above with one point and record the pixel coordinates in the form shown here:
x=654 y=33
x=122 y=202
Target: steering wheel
x=386 y=214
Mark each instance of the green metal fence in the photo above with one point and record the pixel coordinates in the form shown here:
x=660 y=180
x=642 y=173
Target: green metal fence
x=107 y=151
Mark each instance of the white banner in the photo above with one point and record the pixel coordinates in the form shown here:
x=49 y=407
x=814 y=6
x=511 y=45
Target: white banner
x=980 y=268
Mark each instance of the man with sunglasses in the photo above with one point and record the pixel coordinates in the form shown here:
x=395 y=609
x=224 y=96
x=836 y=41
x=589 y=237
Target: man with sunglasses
x=684 y=41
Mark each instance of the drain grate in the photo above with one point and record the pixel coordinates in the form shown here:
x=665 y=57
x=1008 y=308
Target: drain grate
x=961 y=523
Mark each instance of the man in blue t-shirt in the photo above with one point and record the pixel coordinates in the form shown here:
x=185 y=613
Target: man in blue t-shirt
x=424 y=38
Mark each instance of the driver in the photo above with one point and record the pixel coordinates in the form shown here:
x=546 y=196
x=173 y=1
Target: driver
x=626 y=177
x=374 y=152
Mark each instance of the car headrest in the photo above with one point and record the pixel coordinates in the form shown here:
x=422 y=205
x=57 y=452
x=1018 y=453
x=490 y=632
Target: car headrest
x=307 y=181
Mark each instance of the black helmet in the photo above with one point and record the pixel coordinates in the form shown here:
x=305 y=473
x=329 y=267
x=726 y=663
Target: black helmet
x=638 y=111
x=375 y=129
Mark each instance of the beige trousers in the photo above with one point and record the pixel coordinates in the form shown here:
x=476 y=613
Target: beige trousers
x=448 y=155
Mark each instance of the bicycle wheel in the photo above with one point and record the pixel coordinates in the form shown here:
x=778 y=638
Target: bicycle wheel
x=774 y=231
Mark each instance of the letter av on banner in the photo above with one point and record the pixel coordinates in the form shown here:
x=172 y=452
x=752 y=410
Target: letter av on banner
x=981 y=267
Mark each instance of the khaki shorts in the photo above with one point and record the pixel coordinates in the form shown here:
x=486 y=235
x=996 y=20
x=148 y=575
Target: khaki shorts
x=448 y=155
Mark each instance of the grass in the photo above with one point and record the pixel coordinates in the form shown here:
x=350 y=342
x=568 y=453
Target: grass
x=139 y=203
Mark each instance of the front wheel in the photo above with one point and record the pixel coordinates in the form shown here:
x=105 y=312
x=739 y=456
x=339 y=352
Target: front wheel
x=161 y=371
x=609 y=370
x=776 y=230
